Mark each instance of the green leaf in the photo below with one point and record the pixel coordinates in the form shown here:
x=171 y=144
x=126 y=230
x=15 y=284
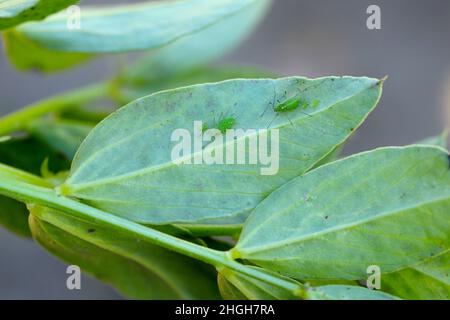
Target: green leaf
x=429 y=280
x=439 y=141
x=64 y=136
x=342 y=292
x=125 y=166
x=129 y=89
x=199 y=48
x=14 y=216
x=14 y=12
x=195 y=32
x=136 y=269
x=388 y=207
x=26 y=54
x=236 y=286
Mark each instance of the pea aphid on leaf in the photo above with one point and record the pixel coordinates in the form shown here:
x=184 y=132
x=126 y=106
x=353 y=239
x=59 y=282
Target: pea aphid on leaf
x=226 y=124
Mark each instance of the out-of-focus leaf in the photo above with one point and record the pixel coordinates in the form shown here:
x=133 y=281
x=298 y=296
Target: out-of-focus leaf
x=134 y=88
x=125 y=165
x=137 y=269
x=199 y=48
x=26 y=54
x=439 y=141
x=388 y=207
x=332 y=156
x=142 y=26
x=14 y=216
x=14 y=12
x=28 y=154
x=429 y=280
x=64 y=136
x=342 y=292
x=236 y=286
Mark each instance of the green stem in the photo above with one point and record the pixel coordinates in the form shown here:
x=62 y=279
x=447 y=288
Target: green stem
x=47 y=197
x=19 y=119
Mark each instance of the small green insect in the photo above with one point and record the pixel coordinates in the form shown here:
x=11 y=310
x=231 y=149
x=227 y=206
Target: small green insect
x=314 y=103
x=225 y=124
x=288 y=105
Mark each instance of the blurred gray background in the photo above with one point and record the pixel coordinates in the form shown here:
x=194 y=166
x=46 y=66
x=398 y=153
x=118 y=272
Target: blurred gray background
x=299 y=37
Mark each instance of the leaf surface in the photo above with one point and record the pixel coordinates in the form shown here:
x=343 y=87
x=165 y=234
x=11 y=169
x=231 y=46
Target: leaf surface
x=125 y=164
x=429 y=280
x=388 y=207
x=64 y=136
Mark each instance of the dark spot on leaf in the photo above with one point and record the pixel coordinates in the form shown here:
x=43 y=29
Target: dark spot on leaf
x=91 y=230
x=448 y=158
x=326 y=217
x=351 y=129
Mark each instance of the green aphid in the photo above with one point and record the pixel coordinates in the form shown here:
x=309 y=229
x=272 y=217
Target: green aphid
x=225 y=124
x=315 y=103
x=288 y=105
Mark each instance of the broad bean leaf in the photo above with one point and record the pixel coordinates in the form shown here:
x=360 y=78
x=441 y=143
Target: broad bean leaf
x=429 y=280
x=136 y=269
x=181 y=25
x=388 y=207
x=64 y=136
x=125 y=164
x=14 y=12
x=237 y=286
x=343 y=292
x=28 y=154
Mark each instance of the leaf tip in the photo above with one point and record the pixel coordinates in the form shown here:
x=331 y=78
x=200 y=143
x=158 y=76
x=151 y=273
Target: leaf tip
x=382 y=80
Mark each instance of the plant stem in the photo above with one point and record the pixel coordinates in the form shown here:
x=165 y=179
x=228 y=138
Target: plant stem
x=49 y=198
x=19 y=119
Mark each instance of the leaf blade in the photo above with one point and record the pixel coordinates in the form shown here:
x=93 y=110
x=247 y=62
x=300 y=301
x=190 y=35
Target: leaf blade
x=335 y=234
